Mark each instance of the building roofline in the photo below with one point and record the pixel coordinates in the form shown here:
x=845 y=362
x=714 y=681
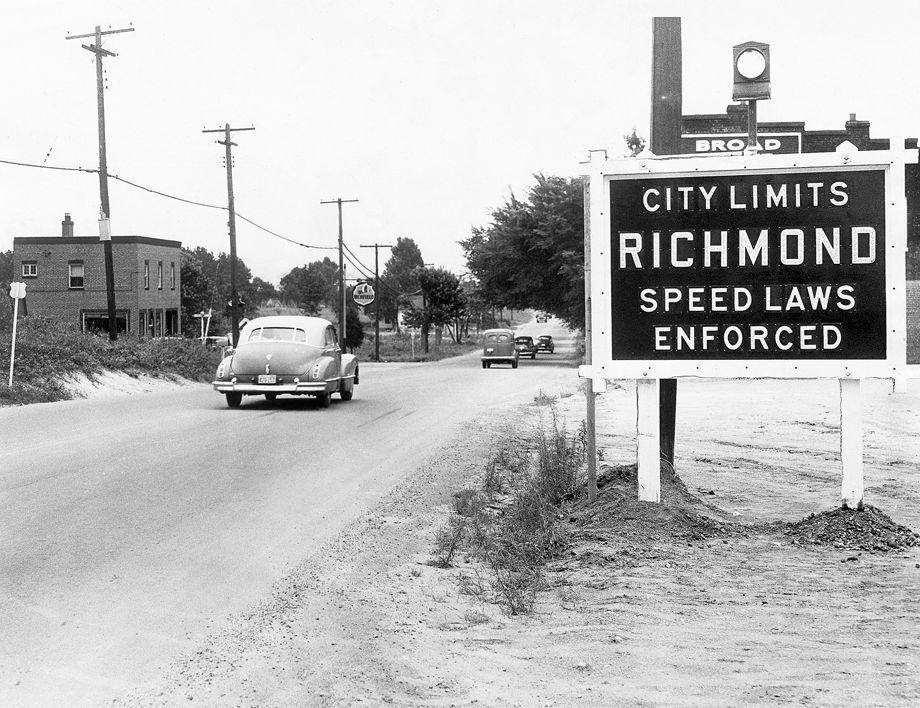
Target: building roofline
x=84 y=240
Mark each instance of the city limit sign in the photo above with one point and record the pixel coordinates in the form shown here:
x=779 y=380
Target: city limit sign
x=773 y=265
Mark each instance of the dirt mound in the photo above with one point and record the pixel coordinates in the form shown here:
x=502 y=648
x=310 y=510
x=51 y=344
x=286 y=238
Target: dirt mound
x=618 y=528
x=869 y=530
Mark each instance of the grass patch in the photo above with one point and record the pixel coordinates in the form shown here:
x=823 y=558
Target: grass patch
x=399 y=347
x=509 y=521
x=48 y=349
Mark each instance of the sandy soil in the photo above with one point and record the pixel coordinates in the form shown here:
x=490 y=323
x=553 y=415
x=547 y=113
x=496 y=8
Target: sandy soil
x=117 y=383
x=641 y=614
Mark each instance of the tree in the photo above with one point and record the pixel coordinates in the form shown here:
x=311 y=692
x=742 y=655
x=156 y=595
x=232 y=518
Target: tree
x=262 y=291
x=444 y=303
x=6 y=277
x=399 y=277
x=199 y=293
x=532 y=254
x=354 y=328
x=312 y=286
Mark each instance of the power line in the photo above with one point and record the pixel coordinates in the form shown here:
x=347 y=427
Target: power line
x=92 y=170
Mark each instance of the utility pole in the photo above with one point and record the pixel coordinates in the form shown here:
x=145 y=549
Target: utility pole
x=105 y=229
x=667 y=107
x=340 y=202
x=377 y=247
x=234 y=296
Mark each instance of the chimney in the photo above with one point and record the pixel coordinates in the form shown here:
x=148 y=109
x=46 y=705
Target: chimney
x=67 y=227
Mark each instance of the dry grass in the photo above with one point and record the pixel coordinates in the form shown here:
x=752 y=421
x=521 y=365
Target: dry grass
x=510 y=521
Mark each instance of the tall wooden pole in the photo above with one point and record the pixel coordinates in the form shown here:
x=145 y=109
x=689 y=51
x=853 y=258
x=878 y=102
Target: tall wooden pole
x=231 y=224
x=105 y=233
x=342 y=332
x=377 y=247
x=667 y=108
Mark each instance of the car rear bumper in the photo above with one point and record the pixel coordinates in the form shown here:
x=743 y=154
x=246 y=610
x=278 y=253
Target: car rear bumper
x=499 y=358
x=303 y=387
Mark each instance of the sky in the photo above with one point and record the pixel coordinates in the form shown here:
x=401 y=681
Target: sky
x=429 y=113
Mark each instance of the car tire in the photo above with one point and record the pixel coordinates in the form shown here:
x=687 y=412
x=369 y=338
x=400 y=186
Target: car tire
x=484 y=365
x=514 y=364
x=270 y=397
x=324 y=399
x=234 y=399
x=533 y=356
x=347 y=392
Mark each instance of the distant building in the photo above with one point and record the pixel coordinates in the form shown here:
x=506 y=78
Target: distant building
x=65 y=279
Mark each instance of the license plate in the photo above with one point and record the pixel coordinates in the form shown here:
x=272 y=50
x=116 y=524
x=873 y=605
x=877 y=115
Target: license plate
x=267 y=379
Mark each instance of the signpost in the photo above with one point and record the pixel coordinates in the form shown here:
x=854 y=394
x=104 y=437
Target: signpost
x=749 y=266
x=17 y=292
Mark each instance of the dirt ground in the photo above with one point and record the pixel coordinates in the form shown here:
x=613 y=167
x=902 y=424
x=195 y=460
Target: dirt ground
x=702 y=600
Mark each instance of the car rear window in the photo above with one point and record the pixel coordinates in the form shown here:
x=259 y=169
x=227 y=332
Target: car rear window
x=277 y=334
x=523 y=340
x=497 y=338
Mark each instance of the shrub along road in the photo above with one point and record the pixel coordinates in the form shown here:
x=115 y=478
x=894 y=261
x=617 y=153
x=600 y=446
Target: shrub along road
x=134 y=526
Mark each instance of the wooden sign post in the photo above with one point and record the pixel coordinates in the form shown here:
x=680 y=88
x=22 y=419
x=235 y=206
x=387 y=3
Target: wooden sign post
x=17 y=292
x=749 y=266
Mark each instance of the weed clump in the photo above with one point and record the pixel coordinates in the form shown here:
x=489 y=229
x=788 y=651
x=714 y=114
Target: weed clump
x=510 y=521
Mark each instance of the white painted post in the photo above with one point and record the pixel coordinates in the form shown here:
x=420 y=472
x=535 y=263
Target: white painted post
x=13 y=345
x=647 y=440
x=851 y=444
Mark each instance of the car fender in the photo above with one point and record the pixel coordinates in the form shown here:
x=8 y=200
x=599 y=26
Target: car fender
x=350 y=366
x=223 y=368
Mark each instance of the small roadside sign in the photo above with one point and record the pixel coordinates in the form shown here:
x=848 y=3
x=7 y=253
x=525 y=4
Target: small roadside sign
x=363 y=294
x=17 y=292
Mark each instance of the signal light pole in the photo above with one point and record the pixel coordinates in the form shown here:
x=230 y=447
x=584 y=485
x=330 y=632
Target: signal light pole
x=231 y=223
x=105 y=229
x=377 y=247
x=340 y=202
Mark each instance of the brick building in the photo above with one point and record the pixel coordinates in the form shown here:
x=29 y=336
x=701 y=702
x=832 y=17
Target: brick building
x=65 y=278
x=727 y=132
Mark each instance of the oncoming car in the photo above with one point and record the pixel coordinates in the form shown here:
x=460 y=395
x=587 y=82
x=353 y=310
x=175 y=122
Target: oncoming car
x=525 y=347
x=498 y=348
x=288 y=354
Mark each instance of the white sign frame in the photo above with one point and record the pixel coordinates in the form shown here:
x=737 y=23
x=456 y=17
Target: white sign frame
x=601 y=171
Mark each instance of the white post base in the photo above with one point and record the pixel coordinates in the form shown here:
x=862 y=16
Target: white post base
x=851 y=444
x=647 y=439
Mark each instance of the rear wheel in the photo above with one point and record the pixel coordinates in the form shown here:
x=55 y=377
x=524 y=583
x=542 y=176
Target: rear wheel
x=347 y=392
x=533 y=356
x=234 y=399
x=324 y=399
x=270 y=397
x=514 y=364
x=485 y=365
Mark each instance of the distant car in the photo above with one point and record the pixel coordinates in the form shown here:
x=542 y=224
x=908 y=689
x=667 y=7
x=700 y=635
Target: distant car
x=525 y=347
x=498 y=348
x=545 y=344
x=287 y=355
x=541 y=317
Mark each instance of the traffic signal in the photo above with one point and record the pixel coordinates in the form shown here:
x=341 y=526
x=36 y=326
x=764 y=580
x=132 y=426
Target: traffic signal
x=752 y=71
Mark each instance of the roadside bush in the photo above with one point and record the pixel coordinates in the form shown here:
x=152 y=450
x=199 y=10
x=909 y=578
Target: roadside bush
x=511 y=522
x=47 y=349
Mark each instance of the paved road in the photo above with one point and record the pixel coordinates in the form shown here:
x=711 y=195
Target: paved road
x=132 y=526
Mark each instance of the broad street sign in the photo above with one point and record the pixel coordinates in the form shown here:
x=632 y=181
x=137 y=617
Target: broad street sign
x=706 y=143
x=781 y=266
x=363 y=294
x=17 y=290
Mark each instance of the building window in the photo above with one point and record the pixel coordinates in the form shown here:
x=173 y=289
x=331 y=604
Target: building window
x=30 y=269
x=75 y=273
x=146 y=275
x=172 y=276
x=160 y=275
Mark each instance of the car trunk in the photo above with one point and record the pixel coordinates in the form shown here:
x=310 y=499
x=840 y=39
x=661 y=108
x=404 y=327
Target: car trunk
x=293 y=359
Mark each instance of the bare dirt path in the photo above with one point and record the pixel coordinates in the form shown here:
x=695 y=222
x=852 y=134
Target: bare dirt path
x=744 y=617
